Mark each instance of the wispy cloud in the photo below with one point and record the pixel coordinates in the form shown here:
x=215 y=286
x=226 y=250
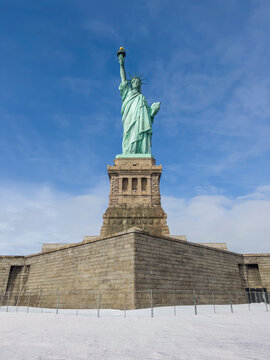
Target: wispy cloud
x=102 y=29
x=219 y=95
x=154 y=7
x=58 y=55
x=62 y=120
x=79 y=85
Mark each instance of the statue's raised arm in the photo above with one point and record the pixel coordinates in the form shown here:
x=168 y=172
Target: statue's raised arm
x=121 y=57
x=137 y=115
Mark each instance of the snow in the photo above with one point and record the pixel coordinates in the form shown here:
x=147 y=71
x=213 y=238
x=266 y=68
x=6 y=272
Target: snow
x=173 y=333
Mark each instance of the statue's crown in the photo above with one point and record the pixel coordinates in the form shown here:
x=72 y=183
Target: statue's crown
x=135 y=76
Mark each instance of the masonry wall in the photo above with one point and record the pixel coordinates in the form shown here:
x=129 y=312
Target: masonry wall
x=130 y=270
x=169 y=266
x=86 y=273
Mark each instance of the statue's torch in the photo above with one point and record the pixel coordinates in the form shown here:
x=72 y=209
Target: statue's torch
x=121 y=53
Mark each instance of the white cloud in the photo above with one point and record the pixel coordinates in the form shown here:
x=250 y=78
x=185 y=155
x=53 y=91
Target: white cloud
x=32 y=215
x=241 y=222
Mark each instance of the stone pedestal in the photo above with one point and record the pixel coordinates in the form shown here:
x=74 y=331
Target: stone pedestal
x=134 y=197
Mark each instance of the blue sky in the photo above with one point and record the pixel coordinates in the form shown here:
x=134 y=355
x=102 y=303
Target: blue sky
x=60 y=125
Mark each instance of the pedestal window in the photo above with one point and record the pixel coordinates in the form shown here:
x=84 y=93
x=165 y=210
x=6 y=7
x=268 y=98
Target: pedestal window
x=144 y=184
x=124 y=184
x=134 y=184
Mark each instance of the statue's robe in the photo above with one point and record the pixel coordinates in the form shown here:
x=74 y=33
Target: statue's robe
x=137 y=121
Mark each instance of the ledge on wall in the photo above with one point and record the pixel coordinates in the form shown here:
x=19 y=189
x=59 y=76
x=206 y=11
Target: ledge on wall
x=179 y=237
x=52 y=246
x=221 y=246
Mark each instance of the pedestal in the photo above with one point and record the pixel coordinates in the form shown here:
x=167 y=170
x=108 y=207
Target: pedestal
x=134 y=199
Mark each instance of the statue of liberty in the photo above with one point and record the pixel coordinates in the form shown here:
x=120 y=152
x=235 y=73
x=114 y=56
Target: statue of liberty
x=137 y=115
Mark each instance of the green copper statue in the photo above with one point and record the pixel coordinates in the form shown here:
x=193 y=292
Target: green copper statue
x=137 y=116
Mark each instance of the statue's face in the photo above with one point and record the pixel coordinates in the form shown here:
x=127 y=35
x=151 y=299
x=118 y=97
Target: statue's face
x=136 y=84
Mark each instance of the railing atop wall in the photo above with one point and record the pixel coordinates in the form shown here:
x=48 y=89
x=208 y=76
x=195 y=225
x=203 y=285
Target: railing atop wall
x=148 y=299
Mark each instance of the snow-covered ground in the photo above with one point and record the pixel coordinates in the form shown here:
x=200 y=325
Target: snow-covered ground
x=171 y=334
